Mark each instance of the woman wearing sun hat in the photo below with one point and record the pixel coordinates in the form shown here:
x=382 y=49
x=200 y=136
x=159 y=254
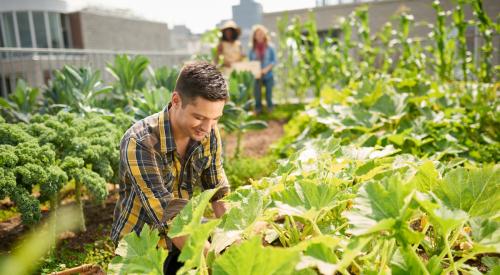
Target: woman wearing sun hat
x=229 y=47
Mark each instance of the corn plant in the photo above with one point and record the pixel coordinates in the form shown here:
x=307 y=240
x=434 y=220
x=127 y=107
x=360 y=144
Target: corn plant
x=444 y=45
x=461 y=26
x=487 y=28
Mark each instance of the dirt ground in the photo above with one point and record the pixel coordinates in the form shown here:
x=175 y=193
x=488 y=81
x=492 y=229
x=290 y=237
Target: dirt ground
x=98 y=222
x=255 y=143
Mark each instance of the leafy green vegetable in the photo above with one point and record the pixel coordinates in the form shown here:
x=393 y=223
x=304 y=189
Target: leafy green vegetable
x=138 y=254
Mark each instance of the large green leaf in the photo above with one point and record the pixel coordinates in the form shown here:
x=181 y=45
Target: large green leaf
x=193 y=251
x=187 y=221
x=138 y=254
x=251 y=258
x=475 y=190
x=320 y=254
x=253 y=125
x=443 y=218
x=308 y=199
x=427 y=177
x=486 y=235
x=405 y=262
x=244 y=212
x=381 y=205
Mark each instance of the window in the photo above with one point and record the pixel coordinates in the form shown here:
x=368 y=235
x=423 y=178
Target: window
x=55 y=30
x=23 y=25
x=66 y=31
x=40 y=30
x=1 y=34
x=8 y=30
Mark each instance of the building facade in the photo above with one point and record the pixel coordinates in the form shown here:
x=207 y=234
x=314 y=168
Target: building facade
x=38 y=36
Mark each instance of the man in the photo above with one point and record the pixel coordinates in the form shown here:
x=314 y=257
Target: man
x=163 y=156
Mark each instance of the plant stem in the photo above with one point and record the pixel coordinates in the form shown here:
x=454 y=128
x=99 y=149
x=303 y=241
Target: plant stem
x=448 y=251
x=418 y=260
x=78 y=191
x=239 y=136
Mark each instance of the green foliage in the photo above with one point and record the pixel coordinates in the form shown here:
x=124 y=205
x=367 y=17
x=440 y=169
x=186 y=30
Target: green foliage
x=241 y=171
x=189 y=223
x=337 y=208
x=24 y=259
x=446 y=120
x=150 y=102
x=236 y=116
x=138 y=254
x=21 y=104
x=471 y=190
x=77 y=90
x=129 y=75
x=311 y=62
x=51 y=151
x=264 y=260
x=164 y=77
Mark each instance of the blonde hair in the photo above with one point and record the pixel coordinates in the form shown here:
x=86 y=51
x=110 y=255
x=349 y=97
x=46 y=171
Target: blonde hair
x=255 y=28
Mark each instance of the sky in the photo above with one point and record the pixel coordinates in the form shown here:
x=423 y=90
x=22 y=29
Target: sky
x=198 y=15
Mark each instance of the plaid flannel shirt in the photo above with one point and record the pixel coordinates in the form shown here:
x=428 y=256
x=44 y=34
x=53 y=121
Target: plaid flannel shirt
x=152 y=187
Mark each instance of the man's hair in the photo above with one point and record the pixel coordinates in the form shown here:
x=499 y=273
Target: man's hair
x=201 y=79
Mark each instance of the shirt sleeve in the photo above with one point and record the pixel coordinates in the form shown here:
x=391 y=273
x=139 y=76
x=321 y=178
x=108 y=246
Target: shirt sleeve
x=214 y=176
x=273 y=55
x=147 y=182
x=250 y=55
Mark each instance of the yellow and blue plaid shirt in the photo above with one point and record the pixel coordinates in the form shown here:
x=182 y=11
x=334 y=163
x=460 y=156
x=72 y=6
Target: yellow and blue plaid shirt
x=154 y=183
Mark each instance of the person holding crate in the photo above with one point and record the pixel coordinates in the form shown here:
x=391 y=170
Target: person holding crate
x=229 y=48
x=262 y=50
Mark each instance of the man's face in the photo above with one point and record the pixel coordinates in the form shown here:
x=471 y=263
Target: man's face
x=197 y=118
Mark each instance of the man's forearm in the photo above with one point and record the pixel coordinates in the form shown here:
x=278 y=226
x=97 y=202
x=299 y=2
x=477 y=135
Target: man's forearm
x=219 y=208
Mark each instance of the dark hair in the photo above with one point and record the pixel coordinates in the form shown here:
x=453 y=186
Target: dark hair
x=232 y=37
x=202 y=79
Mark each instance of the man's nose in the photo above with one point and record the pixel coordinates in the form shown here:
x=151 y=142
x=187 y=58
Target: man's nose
x=206 y=125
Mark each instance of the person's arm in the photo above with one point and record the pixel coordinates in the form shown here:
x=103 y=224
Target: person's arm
x=148 y=184
x=269 y=67
x=242 y=53
x=214 y=176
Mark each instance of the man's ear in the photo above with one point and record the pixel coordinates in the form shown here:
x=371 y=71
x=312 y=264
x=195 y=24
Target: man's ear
x=176 y=99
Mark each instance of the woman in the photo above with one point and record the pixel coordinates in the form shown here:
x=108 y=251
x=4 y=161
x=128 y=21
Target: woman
x=229 y=47
x=262 y=50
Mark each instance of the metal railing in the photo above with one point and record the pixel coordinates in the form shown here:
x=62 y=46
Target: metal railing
x=36 y=66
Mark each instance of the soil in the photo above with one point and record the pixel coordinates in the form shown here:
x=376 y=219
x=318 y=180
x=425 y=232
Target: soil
x=98 y=222
x=255 y=143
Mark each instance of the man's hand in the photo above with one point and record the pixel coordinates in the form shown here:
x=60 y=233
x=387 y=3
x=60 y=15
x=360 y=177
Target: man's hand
x=219 y=208
x=179 y=242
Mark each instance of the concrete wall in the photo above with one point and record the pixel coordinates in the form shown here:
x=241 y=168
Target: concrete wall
x=116 y=33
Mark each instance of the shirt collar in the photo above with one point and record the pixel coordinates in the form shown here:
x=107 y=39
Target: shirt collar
x=167 y=143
